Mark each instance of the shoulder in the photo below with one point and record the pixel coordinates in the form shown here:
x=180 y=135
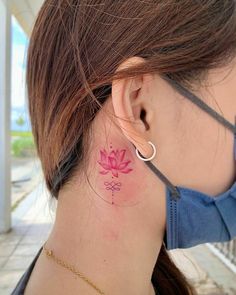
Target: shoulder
x=22 y=283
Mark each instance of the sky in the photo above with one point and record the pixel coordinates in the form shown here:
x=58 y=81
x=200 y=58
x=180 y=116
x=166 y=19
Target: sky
x=19 y=51
x=18 y=88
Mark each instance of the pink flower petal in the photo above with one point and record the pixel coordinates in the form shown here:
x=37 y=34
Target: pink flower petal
x=126 y=170
x=105 y=165
x=113 y=154
x=117 y=155
x=103 y=155
x=104 y=172
x=122 y=155
x=114 y=173
x=112 y=162
x=124 y=165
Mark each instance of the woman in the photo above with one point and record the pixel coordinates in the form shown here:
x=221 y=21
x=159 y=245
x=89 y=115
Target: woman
x=102 y=106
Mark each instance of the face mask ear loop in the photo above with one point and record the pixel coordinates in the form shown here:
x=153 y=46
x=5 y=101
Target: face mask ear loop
x=175 y=194
x=199 y=102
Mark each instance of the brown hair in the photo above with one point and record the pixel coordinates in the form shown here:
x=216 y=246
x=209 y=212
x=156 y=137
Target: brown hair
x=74 y=50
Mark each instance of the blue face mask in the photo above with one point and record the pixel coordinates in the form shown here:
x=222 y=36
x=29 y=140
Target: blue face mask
x=193 y=217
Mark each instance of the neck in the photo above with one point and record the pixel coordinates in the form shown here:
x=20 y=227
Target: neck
x=115 y=255
x=112 y=246
x=113 y=240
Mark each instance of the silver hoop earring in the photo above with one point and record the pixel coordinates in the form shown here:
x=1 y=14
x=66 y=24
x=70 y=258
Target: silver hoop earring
x=150 y=158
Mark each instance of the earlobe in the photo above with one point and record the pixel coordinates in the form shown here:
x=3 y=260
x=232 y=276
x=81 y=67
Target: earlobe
x=131 y=105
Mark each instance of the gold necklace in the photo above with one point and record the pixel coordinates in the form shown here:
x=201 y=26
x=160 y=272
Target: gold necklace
x=50 y=254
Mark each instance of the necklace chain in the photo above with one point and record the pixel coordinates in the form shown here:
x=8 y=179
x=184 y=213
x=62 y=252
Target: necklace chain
x=71 y=268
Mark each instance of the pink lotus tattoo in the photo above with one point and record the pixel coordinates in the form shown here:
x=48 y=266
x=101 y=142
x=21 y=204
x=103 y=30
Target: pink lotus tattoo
x=114 y=162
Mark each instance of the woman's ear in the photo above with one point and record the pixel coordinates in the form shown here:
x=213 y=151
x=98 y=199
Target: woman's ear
x=133 y=108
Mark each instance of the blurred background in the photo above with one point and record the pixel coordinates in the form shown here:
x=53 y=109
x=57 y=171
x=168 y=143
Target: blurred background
x=26 y=211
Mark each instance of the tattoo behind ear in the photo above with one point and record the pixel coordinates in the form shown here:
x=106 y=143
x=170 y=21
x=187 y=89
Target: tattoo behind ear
x=114 y=163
